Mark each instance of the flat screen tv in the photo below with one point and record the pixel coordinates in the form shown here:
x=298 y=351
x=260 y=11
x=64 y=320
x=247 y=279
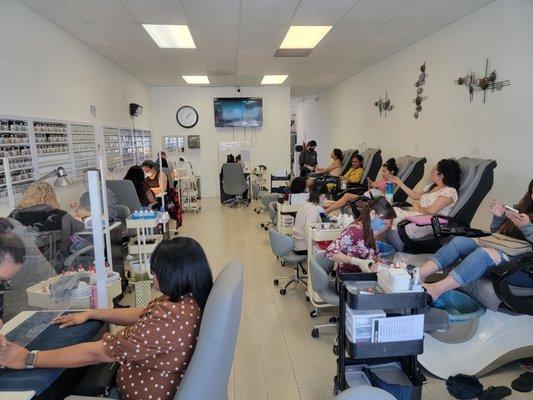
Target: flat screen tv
x=238 y=112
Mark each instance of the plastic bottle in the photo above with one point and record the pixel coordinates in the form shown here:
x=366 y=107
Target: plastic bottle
x=389 y=191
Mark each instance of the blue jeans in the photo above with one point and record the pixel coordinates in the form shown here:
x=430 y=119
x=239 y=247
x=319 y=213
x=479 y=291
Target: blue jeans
x=475 y=261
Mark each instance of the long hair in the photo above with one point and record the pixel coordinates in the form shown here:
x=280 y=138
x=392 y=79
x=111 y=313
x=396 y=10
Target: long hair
x=525 y=205
x=451 y=173
x=39 y=193
x=383 y=209
x=317 y=189
x=181 y=267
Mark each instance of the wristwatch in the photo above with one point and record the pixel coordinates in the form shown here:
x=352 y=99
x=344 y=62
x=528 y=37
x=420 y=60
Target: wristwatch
x=30 y=359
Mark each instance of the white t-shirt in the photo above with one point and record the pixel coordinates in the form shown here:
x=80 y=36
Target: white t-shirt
x=306 y=216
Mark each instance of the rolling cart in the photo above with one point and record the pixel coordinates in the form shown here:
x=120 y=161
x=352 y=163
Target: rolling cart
x=277 y=183
x=353 y=356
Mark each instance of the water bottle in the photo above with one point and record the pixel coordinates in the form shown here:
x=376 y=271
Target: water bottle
x=389 y=191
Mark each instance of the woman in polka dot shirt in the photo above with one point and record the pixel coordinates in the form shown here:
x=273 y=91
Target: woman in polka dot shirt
x=156 y=344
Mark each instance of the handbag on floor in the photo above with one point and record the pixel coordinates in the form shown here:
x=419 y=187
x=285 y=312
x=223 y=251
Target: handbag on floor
x=510 y=246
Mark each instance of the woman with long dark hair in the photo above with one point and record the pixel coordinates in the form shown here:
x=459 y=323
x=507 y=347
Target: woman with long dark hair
x=478 y=260
x=358 y=240
x=144 y=192
x=439 y=197
x=157 y=343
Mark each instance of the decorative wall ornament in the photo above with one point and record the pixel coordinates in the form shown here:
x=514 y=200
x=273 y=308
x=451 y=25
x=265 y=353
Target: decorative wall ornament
x=419 y=84
x=488 y=82
x=384 y=105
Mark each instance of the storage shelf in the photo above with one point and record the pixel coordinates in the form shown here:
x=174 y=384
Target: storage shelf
x=14 y=144
x=85 y=159
x=52 y=154
x=83 y=151
x=16 y=132
x=49 y=143
x=18 y=182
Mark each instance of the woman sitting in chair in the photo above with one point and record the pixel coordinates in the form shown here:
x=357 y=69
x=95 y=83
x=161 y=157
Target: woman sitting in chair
x=156 y=344
x=333 y=169
x=437 y=198
x=39 y=209
x=388 y=169
x=358 y=241
x=144 y=192
x=476 y=259
x=308 y=215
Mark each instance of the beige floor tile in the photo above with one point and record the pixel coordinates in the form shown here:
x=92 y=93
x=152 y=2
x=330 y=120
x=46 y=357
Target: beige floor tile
x=249 y=374
x=273 y=346
x=281 y=384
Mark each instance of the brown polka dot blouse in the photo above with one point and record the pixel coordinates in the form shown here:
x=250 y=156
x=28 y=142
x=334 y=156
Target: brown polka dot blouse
x=155 y=352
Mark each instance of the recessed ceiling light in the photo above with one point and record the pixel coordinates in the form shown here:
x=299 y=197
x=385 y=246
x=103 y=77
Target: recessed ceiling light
x=304 y=37
x=273 y=79
x=171 y=36
x=196 y=79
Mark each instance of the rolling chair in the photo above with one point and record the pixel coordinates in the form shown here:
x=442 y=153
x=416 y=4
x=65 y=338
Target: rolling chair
x=363 y=392
x=283 y=248
x=234 y=184
x=266 y=199
x=208 y=373
x=477 y=177
x=320 y=283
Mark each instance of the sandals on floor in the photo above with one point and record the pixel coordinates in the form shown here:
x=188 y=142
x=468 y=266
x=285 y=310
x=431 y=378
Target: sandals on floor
x=495 y=393
x=524 y=383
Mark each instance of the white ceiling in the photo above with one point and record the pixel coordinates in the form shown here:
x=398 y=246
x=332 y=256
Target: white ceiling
x=236 y=39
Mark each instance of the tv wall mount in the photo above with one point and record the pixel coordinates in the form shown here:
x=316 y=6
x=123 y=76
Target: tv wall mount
x=486 y=83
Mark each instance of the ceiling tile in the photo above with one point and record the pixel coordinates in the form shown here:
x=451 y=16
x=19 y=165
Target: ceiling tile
x=215 y=36
x=375 y=11
x=83 y=31
x=181 y=56
x=461 y=11
x=227 y=80
x=122 y=35
x=258 y=12
x=330 y=68
x=389 y=34
x=320 y=12
x=114 y=54
x=223 y=12
x=220 y=56
x=262 y=37
x=263 y=69
x=263 y=56
x=50 y=9
x=99 y=10
x=424 y=11
x=156 y=11
x=144 y=54
x=221 y=69
x=347 y=35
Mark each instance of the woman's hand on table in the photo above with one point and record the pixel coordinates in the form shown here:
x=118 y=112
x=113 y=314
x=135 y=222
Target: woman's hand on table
x=73 y=319
x=13 y=356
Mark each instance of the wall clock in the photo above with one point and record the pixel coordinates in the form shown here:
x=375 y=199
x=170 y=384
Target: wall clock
x=187 y=116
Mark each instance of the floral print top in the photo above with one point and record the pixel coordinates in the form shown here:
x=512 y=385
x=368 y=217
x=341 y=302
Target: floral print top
x=351 y=243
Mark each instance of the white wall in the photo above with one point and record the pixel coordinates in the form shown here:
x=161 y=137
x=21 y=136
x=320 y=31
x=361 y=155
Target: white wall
x=270 y=144
x=46 y=73
x=449 y=125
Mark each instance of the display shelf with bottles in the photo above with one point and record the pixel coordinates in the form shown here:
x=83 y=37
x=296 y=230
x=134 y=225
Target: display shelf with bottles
x=83 y=147
x=127 y=147
x=15 y=147
x=112 y=147
x=144 y=148
x=52 y=146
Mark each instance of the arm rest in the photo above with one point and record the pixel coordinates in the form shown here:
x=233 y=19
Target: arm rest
x=501 y=274
x=402 y=204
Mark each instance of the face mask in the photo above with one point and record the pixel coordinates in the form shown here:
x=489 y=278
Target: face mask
x=377 y=224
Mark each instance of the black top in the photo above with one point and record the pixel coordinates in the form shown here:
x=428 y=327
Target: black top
x=308 y=158
x=44 y=218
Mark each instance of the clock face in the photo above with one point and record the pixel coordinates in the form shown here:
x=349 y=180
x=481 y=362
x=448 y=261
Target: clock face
x=187 y=116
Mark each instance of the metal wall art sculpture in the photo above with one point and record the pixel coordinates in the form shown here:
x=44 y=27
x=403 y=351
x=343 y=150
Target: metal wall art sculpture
x=384 y=105
x=487 y=82
x=419 y=84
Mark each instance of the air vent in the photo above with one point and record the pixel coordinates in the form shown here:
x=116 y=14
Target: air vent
x=292 y=52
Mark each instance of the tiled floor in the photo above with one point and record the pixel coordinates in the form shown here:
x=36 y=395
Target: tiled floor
x=276 y=358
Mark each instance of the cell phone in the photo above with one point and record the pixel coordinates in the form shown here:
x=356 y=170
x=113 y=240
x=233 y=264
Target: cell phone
x=512 y=210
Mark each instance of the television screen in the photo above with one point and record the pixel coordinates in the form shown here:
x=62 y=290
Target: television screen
x=238 y=112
